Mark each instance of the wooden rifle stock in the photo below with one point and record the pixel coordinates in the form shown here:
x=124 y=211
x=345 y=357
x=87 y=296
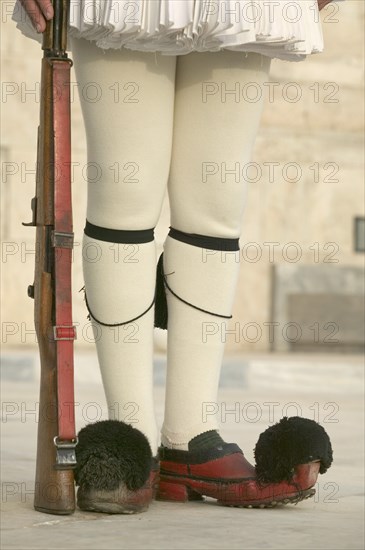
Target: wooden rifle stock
x=52 y=216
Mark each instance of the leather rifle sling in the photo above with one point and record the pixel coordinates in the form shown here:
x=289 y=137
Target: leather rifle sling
x=64 y=331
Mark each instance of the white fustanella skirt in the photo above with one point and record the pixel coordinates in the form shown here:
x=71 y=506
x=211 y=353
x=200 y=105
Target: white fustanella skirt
x=283 y=29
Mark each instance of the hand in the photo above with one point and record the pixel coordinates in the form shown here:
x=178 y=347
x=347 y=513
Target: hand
x=39 y=11
x=323 y=3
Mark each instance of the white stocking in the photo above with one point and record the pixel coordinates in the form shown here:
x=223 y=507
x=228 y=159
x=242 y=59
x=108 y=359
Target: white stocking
x=214 y=133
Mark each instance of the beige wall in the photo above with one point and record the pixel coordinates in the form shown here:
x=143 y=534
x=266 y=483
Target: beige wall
x=321 y=134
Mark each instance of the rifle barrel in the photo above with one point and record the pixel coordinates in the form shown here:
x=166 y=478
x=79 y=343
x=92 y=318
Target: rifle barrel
x=54 y=37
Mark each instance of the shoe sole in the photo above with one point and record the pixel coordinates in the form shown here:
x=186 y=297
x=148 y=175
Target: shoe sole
x=185 y=490
x=304 y=495
x=111 y=508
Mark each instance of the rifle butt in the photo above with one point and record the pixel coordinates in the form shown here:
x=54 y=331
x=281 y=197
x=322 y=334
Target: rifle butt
x=54 y=488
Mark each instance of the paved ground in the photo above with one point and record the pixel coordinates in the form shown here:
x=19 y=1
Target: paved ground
x=256 y=390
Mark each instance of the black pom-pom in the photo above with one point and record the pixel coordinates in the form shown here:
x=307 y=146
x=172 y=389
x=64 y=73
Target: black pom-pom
x=111 y=452
x=290 y=442
x=160 y=298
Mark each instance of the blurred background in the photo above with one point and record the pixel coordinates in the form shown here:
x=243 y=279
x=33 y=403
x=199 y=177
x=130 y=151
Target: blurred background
x=303 y=238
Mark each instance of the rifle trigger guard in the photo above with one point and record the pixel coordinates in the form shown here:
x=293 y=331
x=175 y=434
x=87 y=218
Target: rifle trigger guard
x=65 y=453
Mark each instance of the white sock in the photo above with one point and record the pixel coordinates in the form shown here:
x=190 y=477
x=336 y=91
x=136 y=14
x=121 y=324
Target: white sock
x=129 y=136
x=119 y=287
x=214 y=133
x=207 y=279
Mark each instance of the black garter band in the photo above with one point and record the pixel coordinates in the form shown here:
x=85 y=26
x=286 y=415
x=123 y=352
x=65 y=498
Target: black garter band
x=202 y=241
x=120 y=236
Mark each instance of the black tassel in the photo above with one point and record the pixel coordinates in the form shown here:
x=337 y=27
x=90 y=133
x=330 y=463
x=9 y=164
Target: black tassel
x=111 y=452
x=160 y=298
x=291 y=442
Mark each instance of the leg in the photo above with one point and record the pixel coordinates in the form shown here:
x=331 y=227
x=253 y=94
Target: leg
x=212 y=135
x=201 y=267
x=129 y=139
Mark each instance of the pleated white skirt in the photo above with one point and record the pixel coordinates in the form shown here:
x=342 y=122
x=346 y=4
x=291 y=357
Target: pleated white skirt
x=282 y=29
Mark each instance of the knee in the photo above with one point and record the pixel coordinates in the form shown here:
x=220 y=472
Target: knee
x=127 y=209
x=218 y=228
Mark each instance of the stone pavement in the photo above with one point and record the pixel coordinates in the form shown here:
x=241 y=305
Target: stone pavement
x=256 y=391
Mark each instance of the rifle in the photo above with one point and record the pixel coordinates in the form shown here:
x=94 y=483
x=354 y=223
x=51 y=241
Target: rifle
x=52 y=217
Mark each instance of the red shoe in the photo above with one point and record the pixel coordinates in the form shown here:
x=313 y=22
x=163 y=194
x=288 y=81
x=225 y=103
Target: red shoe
x=223 y=473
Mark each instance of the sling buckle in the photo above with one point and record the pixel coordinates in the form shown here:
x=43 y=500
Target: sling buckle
x=65 y=454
